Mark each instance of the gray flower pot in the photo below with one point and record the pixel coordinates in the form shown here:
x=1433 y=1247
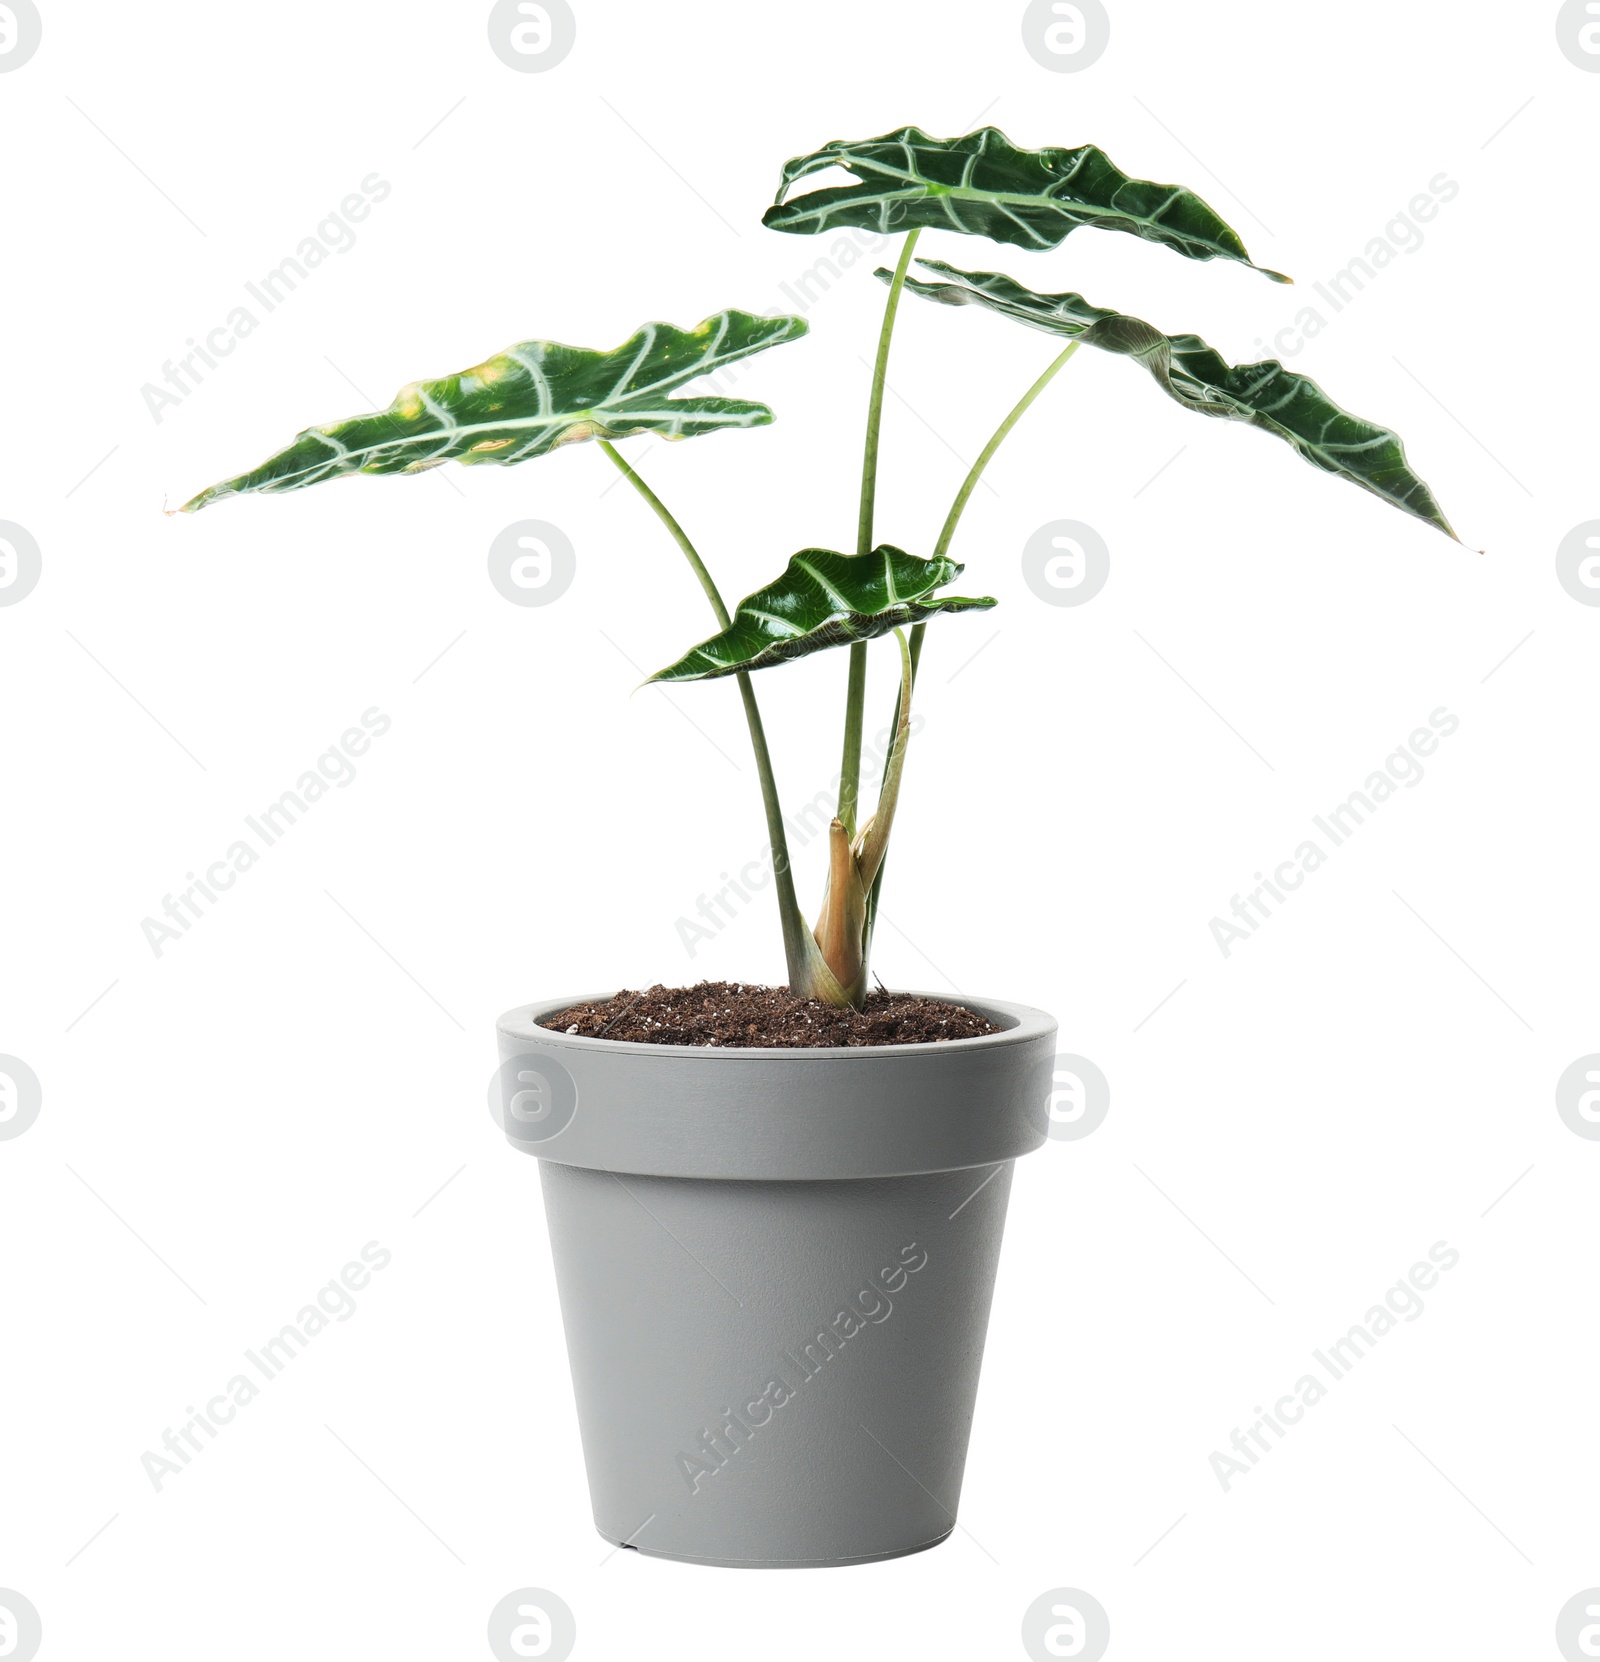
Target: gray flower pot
x=775 y=1269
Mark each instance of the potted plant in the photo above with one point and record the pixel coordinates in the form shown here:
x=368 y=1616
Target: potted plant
x=776 y=1214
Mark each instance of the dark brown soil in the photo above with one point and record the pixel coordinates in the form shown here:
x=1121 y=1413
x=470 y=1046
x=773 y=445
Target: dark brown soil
x=729 y=1015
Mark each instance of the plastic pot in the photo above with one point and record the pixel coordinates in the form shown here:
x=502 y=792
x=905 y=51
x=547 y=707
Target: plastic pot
x=775 y=1270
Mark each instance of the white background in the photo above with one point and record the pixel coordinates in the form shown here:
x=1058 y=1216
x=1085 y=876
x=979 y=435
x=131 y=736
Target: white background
x=1366 y=1075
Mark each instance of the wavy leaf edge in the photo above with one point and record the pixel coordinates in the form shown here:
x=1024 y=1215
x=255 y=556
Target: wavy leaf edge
x=528 y=400
x=816 y=604
x=1194 y=374
x=898 y=188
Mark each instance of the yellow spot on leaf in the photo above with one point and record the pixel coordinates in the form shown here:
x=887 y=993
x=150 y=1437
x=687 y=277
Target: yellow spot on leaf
x=578 y=432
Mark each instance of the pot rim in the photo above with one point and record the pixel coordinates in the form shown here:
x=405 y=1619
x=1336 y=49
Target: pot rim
x=1020 y=1023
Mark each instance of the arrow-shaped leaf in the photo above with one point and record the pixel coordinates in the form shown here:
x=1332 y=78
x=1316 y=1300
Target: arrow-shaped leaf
x=984 y=185
x=822 y=600
x=530 y=399
x=1265 y=395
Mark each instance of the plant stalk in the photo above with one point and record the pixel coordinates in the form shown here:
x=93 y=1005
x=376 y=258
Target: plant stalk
x=908 y=679
x=797 y=944
x=880 y=375
x=855 y=705
x=942 y=547
x=975 y=473
x=679 y=535
x=856 y=689
x=986 y=455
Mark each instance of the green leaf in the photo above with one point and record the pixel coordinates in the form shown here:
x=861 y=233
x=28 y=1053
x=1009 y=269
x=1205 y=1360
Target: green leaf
x=984 y=185
x=822 y=600
x=530 y=399
x=1265 y=395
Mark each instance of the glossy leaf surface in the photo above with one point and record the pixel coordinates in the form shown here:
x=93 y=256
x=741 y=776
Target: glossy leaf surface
x=984 y=185
x=528 y=401
x=1265 y=395
x=823 y=600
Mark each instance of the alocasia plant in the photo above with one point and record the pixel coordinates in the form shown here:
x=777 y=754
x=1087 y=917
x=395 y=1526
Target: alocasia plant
x=539 y=395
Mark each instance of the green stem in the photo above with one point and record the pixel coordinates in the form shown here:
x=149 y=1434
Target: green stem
x=986 y=455
x=947 y=533
x=797 y=943
x=856 y=690
x=880 y=375
x=679 y=535
x=795 y=938
x=975 y=472
x=855 y=706
x=877 y=880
